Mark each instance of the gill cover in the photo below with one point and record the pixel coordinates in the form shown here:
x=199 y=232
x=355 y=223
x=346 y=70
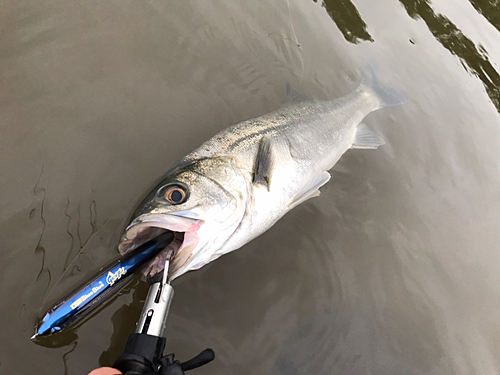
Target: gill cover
x=216 y=200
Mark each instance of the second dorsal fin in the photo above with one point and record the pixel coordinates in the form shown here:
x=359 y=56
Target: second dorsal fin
x=293 y=96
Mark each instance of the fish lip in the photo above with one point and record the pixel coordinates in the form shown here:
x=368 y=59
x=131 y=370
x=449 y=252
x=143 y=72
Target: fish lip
x=176 y=223
x=157 y=218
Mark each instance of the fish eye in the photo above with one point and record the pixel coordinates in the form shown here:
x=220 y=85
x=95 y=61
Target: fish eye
x=175 y=194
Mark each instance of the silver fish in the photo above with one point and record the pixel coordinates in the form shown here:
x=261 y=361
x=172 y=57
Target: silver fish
x=237 y=184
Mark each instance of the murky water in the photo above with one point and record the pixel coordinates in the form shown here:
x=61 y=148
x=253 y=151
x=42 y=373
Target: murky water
x=395 y=269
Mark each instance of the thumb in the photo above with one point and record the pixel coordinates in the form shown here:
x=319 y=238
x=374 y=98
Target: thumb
x=105 y=371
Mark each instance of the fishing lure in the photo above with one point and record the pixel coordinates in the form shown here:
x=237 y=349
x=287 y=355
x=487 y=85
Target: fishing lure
x=83 y=300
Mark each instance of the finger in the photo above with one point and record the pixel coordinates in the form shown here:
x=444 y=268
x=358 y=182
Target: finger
x=105 y=371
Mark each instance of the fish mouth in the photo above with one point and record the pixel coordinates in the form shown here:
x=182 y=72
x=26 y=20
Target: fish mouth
x=148 y=226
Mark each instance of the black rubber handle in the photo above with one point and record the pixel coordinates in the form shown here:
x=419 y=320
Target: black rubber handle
x=206 y=356
x=141 y=355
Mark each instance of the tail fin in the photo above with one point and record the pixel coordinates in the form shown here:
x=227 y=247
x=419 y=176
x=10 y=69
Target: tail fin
x=387 y=96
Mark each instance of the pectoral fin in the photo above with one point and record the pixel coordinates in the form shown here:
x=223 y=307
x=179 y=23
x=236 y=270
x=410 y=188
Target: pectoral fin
x=310 y=189
x=365 y=138
x=263 y=163
x=273 y=153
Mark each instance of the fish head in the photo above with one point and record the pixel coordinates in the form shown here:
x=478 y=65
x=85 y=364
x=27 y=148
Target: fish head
x=203 y=202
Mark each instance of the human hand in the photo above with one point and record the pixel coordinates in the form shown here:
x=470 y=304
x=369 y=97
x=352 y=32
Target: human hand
x=105 y=371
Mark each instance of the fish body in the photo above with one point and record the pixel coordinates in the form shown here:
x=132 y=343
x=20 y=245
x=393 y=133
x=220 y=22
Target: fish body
x=237 y=184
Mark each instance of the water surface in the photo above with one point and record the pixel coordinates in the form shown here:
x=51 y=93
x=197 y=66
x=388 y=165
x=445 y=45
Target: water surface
x=395 y=269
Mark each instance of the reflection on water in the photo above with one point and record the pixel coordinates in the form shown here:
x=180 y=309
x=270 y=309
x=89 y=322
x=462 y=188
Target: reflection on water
x=489 y=9
x=473 y=58
x=347 y=18
x=40 y=194
x=124 y=320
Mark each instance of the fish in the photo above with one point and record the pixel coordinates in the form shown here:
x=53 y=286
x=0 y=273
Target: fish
x=238 y=184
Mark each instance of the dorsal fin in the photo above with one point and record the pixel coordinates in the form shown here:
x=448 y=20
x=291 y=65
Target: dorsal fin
x=293 y=96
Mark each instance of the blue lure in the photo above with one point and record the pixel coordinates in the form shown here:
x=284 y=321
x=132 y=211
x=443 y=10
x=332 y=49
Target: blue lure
x=100 y=288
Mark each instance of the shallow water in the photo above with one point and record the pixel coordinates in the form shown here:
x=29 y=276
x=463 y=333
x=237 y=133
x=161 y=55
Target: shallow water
x=395 y=269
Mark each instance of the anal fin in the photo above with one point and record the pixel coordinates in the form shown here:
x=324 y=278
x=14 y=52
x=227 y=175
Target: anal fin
x=365 y=138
